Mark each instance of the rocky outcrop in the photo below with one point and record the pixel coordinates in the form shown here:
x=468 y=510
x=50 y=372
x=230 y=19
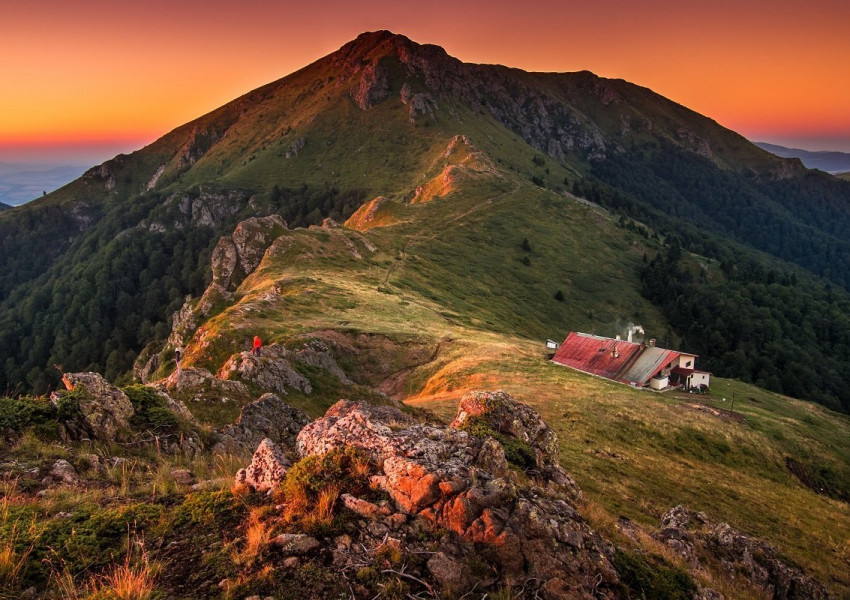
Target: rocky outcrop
x=267 y=469
x=373 y=86
x=237 y=255
x=295 y=147
x=268 y=417
x=199 y=385
x=421 y=103
x=462 y=484
x=374 y=213
x=233 y=259
x=271 y=370
x=691 y=535
x=104 y=410
x=501 y=413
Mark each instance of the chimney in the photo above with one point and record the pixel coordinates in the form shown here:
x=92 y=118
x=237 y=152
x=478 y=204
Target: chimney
x=652 y=342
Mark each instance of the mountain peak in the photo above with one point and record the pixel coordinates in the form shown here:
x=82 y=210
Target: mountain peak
x=371 y=45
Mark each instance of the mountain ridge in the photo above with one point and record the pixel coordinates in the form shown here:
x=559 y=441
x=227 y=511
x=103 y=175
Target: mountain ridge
x=376 y=119
x=832 y=162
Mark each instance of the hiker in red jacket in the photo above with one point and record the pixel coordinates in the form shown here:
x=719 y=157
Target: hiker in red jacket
x=255 y=350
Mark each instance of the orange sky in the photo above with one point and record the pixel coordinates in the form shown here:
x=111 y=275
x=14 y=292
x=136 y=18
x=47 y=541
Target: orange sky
x=119 y=74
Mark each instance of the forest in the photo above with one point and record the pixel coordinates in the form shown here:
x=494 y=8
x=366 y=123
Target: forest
x=802 y=220
x=757 y=325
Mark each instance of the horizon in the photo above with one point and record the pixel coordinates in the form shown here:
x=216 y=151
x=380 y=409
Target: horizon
x=77 y=90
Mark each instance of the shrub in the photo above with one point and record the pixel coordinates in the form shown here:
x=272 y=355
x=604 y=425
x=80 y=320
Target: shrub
x=313 y=485
x=68 y=405
x=151 y=410
x=19 y=413
x=208 y=508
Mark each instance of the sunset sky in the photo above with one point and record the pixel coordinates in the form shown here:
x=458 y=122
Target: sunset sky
x=96 y=77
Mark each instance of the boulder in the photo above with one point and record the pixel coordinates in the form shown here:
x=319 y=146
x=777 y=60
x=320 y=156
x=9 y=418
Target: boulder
x=271 y=370
x=461 y=484
x=295 y=544
x=105 y=410
x=193 y=379
x=267 y=469
x=267 y=417
x=450 y=573
x=182 y=476
x=504 y=415
x=317 y=354
x=63 y=472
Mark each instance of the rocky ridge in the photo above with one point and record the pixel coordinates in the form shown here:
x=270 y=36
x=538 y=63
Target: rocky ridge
x=694 y=537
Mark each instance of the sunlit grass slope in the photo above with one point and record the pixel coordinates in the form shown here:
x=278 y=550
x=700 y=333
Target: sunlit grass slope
x=455 y=275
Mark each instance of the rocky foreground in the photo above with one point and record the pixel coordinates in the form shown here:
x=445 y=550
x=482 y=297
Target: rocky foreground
x=365 y=502
x=484 y=504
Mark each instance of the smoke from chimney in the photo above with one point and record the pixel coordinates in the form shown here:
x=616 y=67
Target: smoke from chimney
x=631 y=330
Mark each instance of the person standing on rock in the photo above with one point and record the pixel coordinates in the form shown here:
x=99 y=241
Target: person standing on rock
x=178 y=356
x=255 y=350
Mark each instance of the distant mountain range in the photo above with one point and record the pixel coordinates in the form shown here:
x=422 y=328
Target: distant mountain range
x=22 y=182
x=829 y=161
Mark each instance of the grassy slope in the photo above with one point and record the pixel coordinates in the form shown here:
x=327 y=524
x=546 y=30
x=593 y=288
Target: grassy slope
x=451 y=271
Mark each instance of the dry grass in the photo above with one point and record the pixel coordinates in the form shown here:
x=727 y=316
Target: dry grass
x=11 y=560
x=123 y=475
x=299 y=509
x=257 y=536
x=66 y=587
x=599 y=518
x=361 y=467
x=325 y=506
x=297 y=502
x=128 y=582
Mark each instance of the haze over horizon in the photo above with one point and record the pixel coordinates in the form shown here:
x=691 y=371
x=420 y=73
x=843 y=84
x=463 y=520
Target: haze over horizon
x=105 y=78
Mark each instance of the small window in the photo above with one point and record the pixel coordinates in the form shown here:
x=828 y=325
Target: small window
x=688 y=364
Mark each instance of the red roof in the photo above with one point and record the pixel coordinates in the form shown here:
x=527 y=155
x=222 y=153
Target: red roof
x=619 y=360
